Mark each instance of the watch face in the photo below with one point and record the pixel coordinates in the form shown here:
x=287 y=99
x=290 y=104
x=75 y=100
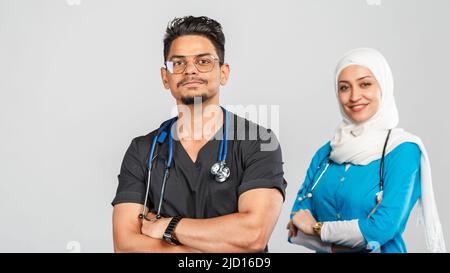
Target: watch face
x=316 y=227
x=168 y=238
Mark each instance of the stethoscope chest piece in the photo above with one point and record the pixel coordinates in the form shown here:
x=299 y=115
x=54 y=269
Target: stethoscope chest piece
x=220 y=171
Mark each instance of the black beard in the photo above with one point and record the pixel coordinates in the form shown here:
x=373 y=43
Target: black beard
x=194 y=100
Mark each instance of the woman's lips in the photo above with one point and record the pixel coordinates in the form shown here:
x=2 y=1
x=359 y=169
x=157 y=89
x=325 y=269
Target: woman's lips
x=357 y=108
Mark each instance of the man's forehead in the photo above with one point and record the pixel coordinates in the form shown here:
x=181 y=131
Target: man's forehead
x=191 y=45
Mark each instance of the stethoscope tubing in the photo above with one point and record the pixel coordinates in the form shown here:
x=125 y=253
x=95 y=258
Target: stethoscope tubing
x=223 y=150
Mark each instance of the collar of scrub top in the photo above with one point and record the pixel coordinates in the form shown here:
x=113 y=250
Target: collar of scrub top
x=160 y=138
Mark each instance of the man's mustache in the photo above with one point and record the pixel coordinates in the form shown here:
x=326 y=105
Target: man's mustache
x=185 y=80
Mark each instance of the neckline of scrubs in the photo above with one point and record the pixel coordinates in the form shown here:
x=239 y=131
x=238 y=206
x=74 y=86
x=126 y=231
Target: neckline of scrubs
x=216 y=138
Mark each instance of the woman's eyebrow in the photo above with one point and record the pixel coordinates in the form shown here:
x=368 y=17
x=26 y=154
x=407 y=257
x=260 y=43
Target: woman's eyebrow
x=345 y=81
x=368 y=76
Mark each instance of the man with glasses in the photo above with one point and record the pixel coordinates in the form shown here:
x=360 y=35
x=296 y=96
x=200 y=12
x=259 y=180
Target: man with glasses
x=190 y=209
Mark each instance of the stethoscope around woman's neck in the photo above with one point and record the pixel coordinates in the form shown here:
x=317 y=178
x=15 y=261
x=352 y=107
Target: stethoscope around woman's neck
x=219 y=170
x=379 y=194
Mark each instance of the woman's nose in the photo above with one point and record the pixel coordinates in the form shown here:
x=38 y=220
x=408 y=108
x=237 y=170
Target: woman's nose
x=355 y=94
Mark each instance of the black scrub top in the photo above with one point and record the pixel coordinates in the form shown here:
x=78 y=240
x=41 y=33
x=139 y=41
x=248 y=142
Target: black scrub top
x=254 y=158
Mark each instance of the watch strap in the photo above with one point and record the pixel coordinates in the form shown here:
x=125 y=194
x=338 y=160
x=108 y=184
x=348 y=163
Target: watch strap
x=169 y=232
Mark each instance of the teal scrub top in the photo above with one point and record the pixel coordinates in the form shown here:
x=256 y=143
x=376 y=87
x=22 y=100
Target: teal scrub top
x=347 y=193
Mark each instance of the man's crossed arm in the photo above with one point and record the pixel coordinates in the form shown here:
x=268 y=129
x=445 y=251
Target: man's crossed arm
x=248 y=230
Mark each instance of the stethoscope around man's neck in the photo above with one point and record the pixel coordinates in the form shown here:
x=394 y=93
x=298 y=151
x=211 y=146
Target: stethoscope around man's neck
x=219 y=170
x=379 y=198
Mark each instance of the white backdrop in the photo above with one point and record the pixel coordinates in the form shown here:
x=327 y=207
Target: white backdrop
x=80 y=79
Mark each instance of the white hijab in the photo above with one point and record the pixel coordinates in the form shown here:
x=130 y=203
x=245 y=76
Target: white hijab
x=363 y=143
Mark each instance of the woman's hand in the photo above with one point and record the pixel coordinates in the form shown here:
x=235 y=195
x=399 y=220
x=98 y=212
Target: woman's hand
x=292 y=229
x=304 y=221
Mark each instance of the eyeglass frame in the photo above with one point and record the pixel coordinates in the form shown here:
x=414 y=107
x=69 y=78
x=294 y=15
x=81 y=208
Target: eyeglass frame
x=215 y=58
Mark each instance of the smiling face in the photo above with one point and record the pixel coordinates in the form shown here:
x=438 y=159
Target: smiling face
x=359 y=93
x=194 y=51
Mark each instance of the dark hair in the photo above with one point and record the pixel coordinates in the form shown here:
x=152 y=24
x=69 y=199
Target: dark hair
x=190 y=25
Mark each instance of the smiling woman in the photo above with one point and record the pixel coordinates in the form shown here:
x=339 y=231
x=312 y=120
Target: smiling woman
x=359 y=93
x=371 y=173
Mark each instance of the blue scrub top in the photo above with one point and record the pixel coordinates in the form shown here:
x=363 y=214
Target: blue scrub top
x=350 y=193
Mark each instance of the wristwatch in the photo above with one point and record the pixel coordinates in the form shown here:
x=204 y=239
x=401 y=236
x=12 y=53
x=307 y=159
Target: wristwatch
x=317 y=227
x=169 y=236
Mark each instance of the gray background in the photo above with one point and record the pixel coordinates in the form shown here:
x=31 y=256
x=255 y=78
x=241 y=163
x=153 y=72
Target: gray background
x=80 y=80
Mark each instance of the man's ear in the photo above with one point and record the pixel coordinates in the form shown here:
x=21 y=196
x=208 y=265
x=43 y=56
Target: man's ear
x=164 y=78
x=224 y=73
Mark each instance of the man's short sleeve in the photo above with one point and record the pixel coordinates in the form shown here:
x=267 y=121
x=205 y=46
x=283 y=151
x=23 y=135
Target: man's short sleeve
x=263 y=164
x=132 y=177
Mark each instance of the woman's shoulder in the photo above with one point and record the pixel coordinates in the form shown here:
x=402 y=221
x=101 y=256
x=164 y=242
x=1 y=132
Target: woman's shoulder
x=322 y=152
x=407 y=150
x=405 y=156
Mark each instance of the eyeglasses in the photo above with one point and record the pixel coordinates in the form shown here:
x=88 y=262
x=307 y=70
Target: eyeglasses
x=203 y=63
